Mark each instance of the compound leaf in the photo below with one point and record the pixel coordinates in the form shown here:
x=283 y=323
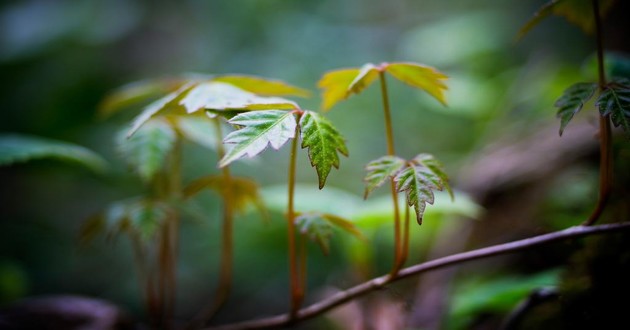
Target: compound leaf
x=323 y=142
x=137 y=92
x=418 y=182
x=16 y=148
x=420 y=76
x=572 y=101
x=259 y=129
x=615 y=101
x=262 y=86
x=380 y=170
x=223 y=96
x=318 y=227
x=335 y=86
x=147 y=150
x=243 y=191
x=367 y=74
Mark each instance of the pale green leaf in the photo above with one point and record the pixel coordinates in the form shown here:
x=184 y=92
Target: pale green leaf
x=262 y=86
x=420 y=76
x=318 y=227
x=168 y=102
x=137 y=92
x=380 y=170
x=418 y=182
x=367 y=74
x=242 y=191
x=147 y=150
x=15 y=148
x=223 y=96
x=259 y=129
x=323 y=142
x=198 y=129
x=335 y=86
x=615 y=101
x=572 y=101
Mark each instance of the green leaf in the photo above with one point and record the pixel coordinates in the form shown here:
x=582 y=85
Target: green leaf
x=243 y=191
x=323 y=142
x=137 y=92
x=168 y=102
x=318 y=227
x=15 y=148
x=223 y=96
x=615 y=101
x=259 y=129
x=380 y=170
x=419 y=180
x=572 y=101
x=335 y=86
x=197 y=129
x=147 y=150
x=578 y=12
x=262 y=86
x=420 y=76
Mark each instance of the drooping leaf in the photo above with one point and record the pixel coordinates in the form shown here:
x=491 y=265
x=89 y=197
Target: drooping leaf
x=198 y=129
x=418 y=182
x=572 y=101
x=420 y=76
x=147 y=150
x=243 y=191
x=615 y=101
x=323 y=142
x=15 y=148
x=380 y=170
x=578 y=12
x=137 y=92
x=335 y=86
x=168 y=102
x=262 y=86
x=367 y=74
x=436 y=167
x=259 y=129
x=223 y=96
x=318 y=227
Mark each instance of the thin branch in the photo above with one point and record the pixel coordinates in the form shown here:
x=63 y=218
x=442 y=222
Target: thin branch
x=343 y=297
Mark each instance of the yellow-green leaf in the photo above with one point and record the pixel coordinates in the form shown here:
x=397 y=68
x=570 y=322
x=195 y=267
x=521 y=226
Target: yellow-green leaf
x=335 y=86
x=243 y=191
x=137 y=92
x=420 y=76
x=367 y=74
x=262 y=86
x=318 y=227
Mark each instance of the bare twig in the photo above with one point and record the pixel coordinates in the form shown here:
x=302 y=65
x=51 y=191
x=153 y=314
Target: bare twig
x=343 y=297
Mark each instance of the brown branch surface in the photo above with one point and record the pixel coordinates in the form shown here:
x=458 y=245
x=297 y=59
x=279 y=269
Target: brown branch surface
x=343 y=297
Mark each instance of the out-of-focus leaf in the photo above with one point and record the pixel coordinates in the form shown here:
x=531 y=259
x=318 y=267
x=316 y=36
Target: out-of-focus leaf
x=367 y=74
x=243 y=191
x=578 y=12
x=419 y=180
x=572 y=101
x=318 y=227
x=259 y=129
x=380 y=170
x=222 y=96
x=420 y=76
x=135 y=93
x=615 y=101
x=168 y=102
x=16 y=148
x=308 y=197
x=147 y=150
x=262 y=86
x=198 y=129
x=323 y=142
x=335 y=86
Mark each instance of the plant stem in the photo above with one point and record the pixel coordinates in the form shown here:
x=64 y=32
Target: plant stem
x=389 y=135
x=605 y=134
x=296 y=290
x=347 y=295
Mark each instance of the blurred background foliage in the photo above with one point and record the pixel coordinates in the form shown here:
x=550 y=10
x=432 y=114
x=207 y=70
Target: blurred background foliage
x=58 y=59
